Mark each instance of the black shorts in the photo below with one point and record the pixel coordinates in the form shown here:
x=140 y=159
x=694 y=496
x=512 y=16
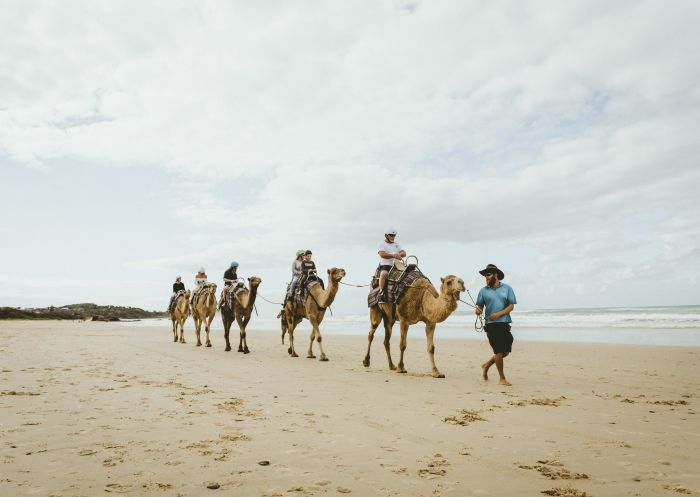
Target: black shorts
x=500 y=337
x=383 y=267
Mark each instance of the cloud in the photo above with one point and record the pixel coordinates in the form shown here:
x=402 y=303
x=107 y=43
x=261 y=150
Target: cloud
x=567 y=131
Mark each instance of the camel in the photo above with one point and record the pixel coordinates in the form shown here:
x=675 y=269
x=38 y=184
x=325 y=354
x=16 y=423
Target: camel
x=243 y=303
x=314 y=308
x=204 y=310
x=420 y=303
x=179 y=314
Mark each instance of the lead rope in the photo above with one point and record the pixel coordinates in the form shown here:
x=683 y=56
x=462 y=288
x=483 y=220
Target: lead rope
x=270 y=301
x=479 y=321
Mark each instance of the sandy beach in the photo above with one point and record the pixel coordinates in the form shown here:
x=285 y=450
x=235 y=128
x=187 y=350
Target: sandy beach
x=94 y=408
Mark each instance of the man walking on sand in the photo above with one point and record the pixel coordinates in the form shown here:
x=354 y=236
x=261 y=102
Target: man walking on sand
x=499 y=300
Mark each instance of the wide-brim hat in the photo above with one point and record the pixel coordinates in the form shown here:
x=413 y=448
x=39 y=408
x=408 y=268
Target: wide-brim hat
x=492 y=268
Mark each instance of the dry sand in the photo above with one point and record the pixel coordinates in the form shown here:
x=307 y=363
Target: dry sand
x=94 y=408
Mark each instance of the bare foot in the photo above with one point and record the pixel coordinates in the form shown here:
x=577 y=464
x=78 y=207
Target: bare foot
x=504 y=382
x=485 y=370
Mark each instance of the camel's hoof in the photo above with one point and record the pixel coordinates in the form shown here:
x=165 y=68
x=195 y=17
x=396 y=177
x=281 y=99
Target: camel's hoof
x=246 y=350
x=294 y=354
x=438 y=375
x=392 y=367
x=228 y=349
x=323 y=358
x=240 y=349
x=311 y=356
x=365 y=363
x=289 y=351
x=208 y=345
x=401 y=370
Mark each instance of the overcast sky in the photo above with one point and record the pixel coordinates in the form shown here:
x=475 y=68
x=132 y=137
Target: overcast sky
x=142 y=140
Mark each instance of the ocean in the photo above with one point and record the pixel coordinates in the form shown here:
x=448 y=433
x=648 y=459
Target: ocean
x=663 y=325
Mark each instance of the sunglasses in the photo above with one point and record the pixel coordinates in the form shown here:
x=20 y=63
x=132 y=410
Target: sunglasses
x=391 y=235
x=486 y=275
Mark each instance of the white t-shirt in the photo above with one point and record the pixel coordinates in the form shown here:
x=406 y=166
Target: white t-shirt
x=389 y=248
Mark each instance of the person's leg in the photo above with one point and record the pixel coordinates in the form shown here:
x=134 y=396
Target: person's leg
x=498 y=360
x=485 y=367
x=382 y=285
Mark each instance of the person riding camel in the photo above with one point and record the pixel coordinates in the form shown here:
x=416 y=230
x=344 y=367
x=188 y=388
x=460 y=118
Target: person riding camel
x=296 y=272
x=388 y=252
x=230 y=280
x=308 y=268
x=200 y=280
x=177 y=286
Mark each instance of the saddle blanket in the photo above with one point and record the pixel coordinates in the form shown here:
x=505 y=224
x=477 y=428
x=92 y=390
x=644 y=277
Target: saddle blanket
x=395 y=290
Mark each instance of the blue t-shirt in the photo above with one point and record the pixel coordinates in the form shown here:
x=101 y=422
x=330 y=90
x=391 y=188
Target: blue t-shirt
x=495 y=300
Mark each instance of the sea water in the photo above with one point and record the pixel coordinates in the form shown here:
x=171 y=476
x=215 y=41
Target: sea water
x=671 y=325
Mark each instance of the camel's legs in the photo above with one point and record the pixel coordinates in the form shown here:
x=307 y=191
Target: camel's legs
x=181 y=322
x=316 y=333
x=227 y=327
x=291 y=324
x=429 y=332
x=310 y=353
x=242 y=343
x=375 y=317
x=387 y=343
x=174 y=329
x=402 y=347
x=198 y=328
x=207 y=326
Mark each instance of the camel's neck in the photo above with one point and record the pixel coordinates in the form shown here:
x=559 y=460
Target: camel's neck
x=437 y=309
x=325 y=297
x=247 y=301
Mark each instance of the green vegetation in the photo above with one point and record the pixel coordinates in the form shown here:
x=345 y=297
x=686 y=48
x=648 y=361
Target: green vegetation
x=80 y=311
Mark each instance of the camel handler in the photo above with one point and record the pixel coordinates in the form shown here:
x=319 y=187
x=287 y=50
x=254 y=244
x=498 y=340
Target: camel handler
x=230 y=279
x=177 y=286
x=200 y=279
x=389 y=251
x=499 y=300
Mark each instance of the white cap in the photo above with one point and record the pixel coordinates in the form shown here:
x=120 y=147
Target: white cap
x=201 y=270
x=390 y=231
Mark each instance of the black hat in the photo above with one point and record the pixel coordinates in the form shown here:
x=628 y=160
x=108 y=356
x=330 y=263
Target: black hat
x=491 y=268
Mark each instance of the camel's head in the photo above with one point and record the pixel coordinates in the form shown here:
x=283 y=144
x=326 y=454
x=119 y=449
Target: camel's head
x=254 y=281
x=187 y=295
x=336 y=274
x=452 y=285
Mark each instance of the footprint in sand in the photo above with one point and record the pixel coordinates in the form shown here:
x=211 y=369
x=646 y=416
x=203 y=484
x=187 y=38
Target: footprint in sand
x=464 y=417
x=435 y=467
x=554 y=470
x=118 y=488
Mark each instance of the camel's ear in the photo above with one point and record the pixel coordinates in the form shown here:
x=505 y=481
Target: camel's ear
x=442 y=280
x=329 y=271
x=248 y=278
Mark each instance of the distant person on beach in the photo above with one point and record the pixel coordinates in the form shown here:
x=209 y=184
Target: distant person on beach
x=177 y=286
x=498 y=300
x=388 y=251
x=200 y=279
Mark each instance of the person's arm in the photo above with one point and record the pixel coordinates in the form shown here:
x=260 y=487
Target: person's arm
x=387 y=255
x=479 y=304
x=503 y=312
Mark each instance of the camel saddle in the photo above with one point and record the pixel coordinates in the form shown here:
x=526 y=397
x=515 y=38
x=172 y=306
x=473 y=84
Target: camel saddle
x=400 y=278
x=173 y=301
x=233 y=290
x=306 y=282
x=195 y=297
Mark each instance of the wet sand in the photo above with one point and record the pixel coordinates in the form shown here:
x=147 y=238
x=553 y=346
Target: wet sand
x=94 y=408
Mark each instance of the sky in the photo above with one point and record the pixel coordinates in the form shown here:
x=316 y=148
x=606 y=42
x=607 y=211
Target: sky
x=141 y=140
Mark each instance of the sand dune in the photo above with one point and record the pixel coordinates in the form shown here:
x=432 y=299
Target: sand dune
x=94 y=408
